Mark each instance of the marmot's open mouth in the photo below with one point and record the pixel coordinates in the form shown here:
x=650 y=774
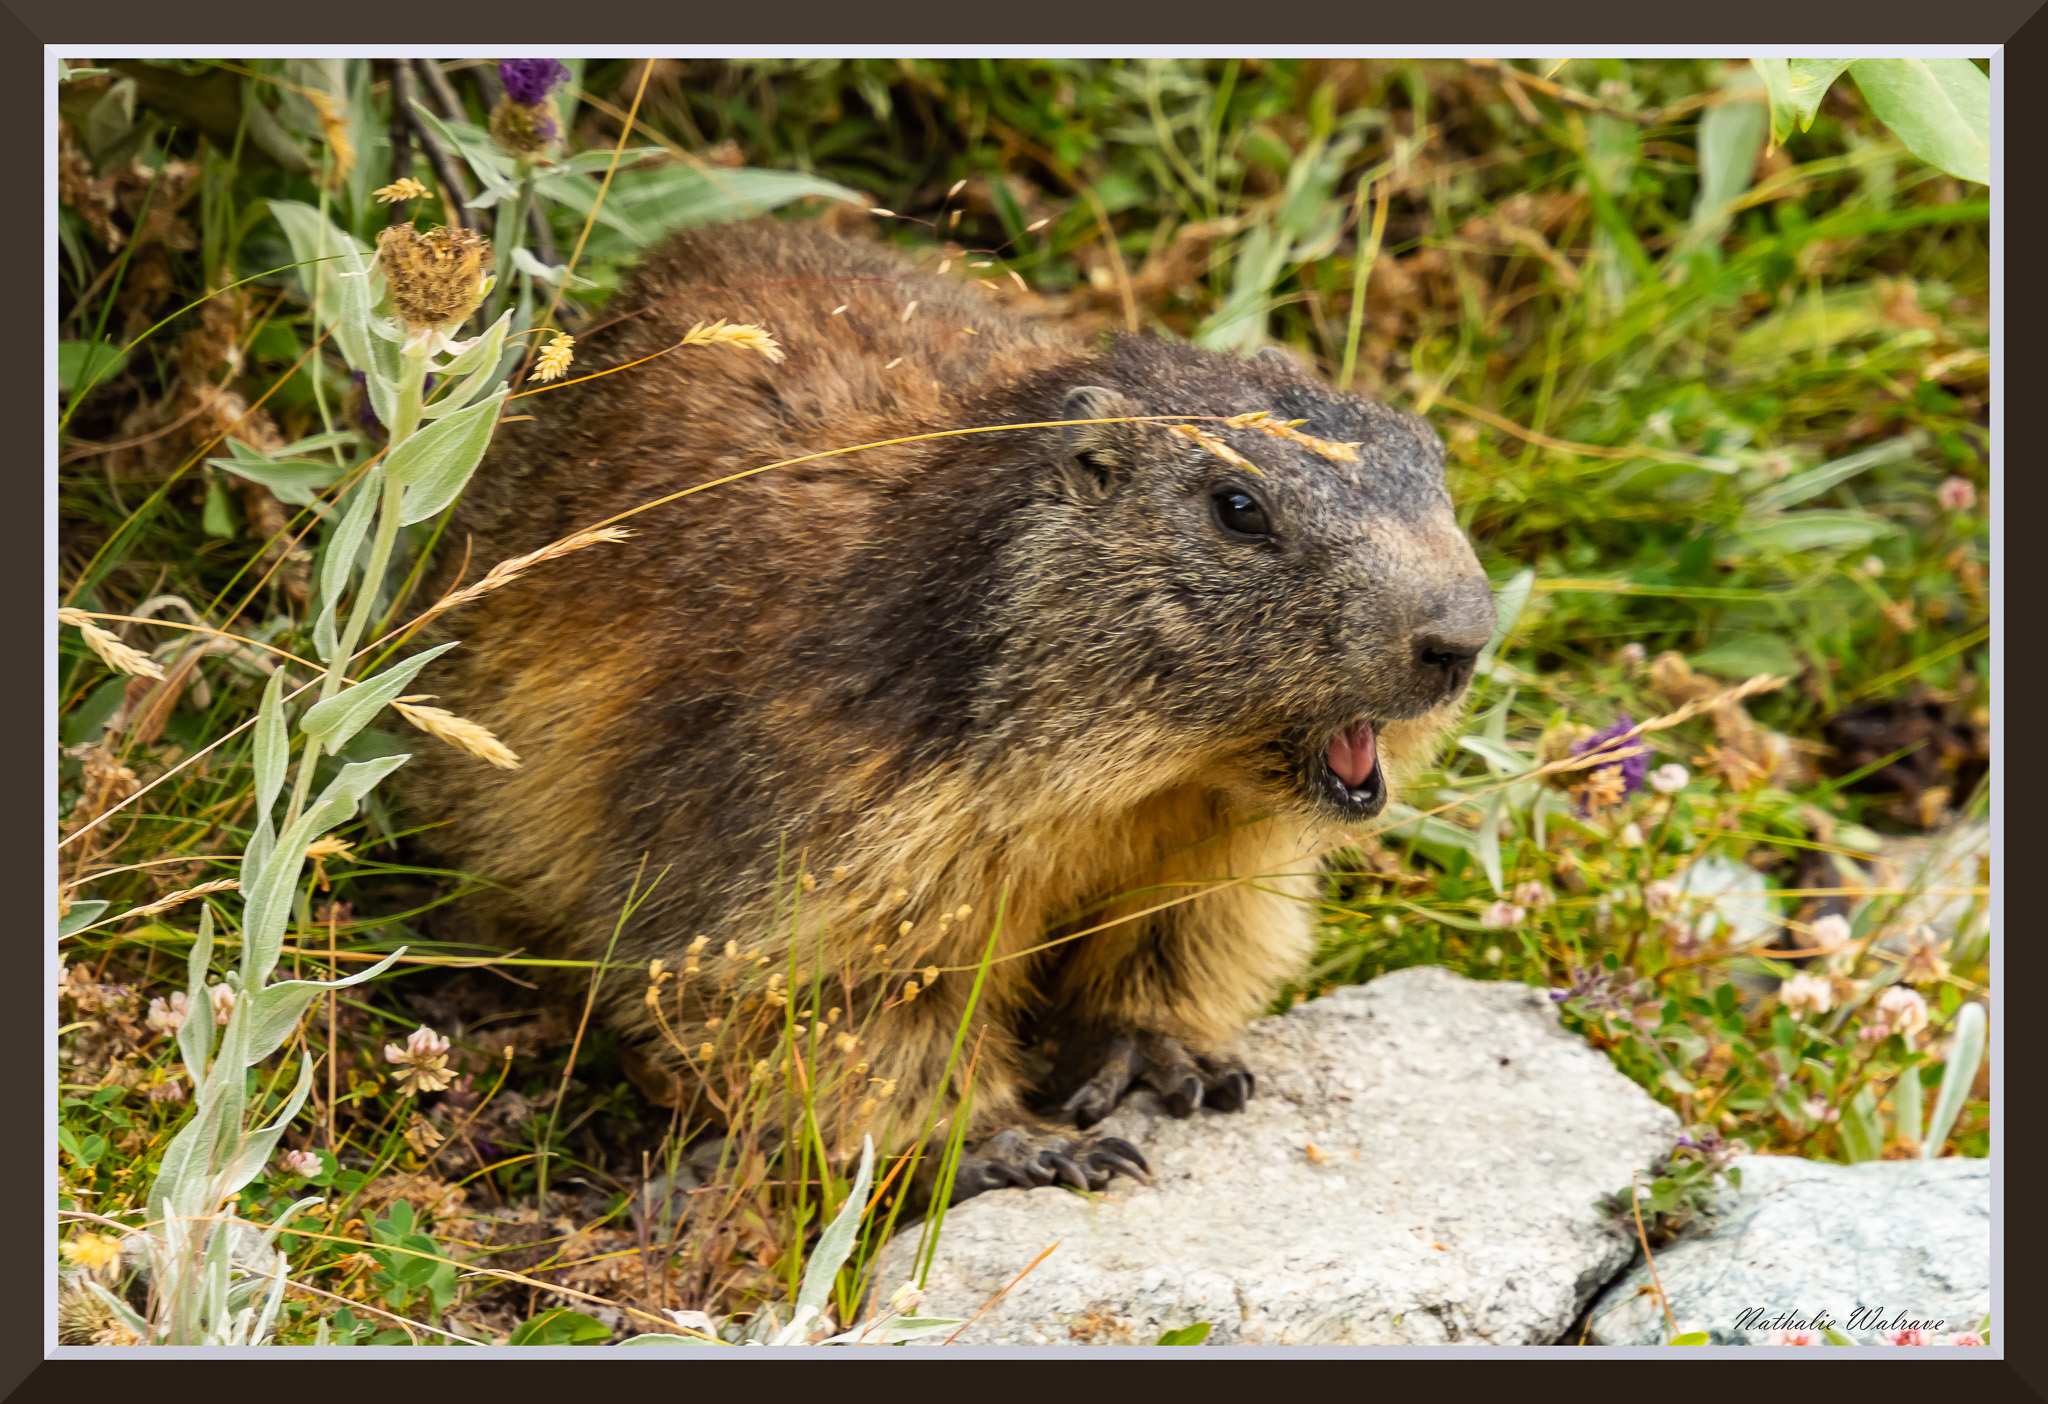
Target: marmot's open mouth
x=1351 y=775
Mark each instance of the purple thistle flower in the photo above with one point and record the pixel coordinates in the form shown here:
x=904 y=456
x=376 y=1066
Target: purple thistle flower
x=529 y=80
x=1634 y=761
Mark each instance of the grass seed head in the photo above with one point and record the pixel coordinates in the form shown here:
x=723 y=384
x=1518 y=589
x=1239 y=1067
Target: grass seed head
x=459 y=732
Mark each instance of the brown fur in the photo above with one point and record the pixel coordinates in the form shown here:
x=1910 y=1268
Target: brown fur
x=1022 y=668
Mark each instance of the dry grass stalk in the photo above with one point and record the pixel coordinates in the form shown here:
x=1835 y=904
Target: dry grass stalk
x=1214 y=445
x=742 y=334
x=507 y=571
x=1264 y=422
x=112 y=652
x=459 y=732
x=170 y=900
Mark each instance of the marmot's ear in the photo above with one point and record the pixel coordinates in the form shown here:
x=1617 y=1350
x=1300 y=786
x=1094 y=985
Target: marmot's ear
x=1287 y=359
x=1095 y=457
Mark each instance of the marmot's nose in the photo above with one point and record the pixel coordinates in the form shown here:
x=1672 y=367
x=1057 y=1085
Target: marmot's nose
x=1446 y=661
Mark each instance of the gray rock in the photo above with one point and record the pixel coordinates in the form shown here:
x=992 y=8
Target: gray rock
x=1906 y=1237
x=1420 y=1165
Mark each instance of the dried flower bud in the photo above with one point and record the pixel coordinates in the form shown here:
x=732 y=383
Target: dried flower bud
x=436 y=279
x=1660 y=896
x=528 y=129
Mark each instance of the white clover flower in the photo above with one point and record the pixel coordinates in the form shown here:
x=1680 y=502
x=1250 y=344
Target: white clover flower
x=167 y=1016
x=1811 y=993
x=1669 y=779
x=1660 y=896
x=299 y=1162
x=1904 y=1009
x=1831 y=930
x=223 y=1003
x=1533 y=895
x=1502 y=916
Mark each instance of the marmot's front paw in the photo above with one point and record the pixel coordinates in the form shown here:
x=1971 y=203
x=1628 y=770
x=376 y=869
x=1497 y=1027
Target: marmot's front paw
x=1183 y=1080
x=1028 y=1158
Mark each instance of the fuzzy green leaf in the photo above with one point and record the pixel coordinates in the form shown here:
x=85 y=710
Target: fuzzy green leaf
x=341 y=716
x=435 y=463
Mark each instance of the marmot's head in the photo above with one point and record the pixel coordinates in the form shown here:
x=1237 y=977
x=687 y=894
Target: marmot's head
x=1270 y=597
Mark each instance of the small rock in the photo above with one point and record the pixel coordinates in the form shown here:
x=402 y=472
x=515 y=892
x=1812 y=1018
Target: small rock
x=1462 y=1138
x=1899 y=1238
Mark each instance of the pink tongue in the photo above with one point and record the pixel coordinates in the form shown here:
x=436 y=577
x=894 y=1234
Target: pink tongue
x=1352 y=752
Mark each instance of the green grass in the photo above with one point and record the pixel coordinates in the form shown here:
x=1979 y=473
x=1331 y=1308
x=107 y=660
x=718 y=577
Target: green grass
x=1637 y=398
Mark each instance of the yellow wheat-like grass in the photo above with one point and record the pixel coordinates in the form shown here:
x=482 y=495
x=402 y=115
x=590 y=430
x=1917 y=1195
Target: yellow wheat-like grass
x=741 y=334
x=1214 y=445
x=507 y=571
x=554 y=358
x=112 y=652
x=459 y=732
x=1264 y=422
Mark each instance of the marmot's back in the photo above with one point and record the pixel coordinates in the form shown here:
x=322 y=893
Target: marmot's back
x=874 y=348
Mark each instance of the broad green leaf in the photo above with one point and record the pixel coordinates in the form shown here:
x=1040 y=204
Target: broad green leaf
x=1810 y=324
x=322 y=251
x=479 y=363
x=1731 y=137
x=296 y=482
x=1810 y=80
x=476 y=147
x=81 y=915
x=341 y=716
x=1691 y=1338
x=644 y=204
x=268 y=898
x=435 y=463
x=1508 y=603
x=1486 y=843
x=81 y=364
x=1501 y=758
x=563 y=1327
x=1939 y=107
x=195 y=1036
x=1745 y=655
x=338 y=557
x=277 y=1006
x=655 y=1338
x=1815 y=481
x=1862 y=1126
x=1965 y=1053
x=837 y=1239
x=1906 y=1108
x=256 y=1146
x=1811 y=531
x=272 y=744
x=1185 y=1335
x=1777 y=76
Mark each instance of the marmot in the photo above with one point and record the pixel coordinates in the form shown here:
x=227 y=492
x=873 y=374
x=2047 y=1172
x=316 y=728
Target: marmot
x=1063 y=677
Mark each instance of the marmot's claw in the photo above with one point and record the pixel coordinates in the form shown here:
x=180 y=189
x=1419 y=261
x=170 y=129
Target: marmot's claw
x=1228 y=1083
x=1098 y=1096
x=1031 y=1159
x=1119 y=1157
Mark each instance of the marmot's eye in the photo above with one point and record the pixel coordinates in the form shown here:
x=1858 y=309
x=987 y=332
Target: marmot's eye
x=1240 y=515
